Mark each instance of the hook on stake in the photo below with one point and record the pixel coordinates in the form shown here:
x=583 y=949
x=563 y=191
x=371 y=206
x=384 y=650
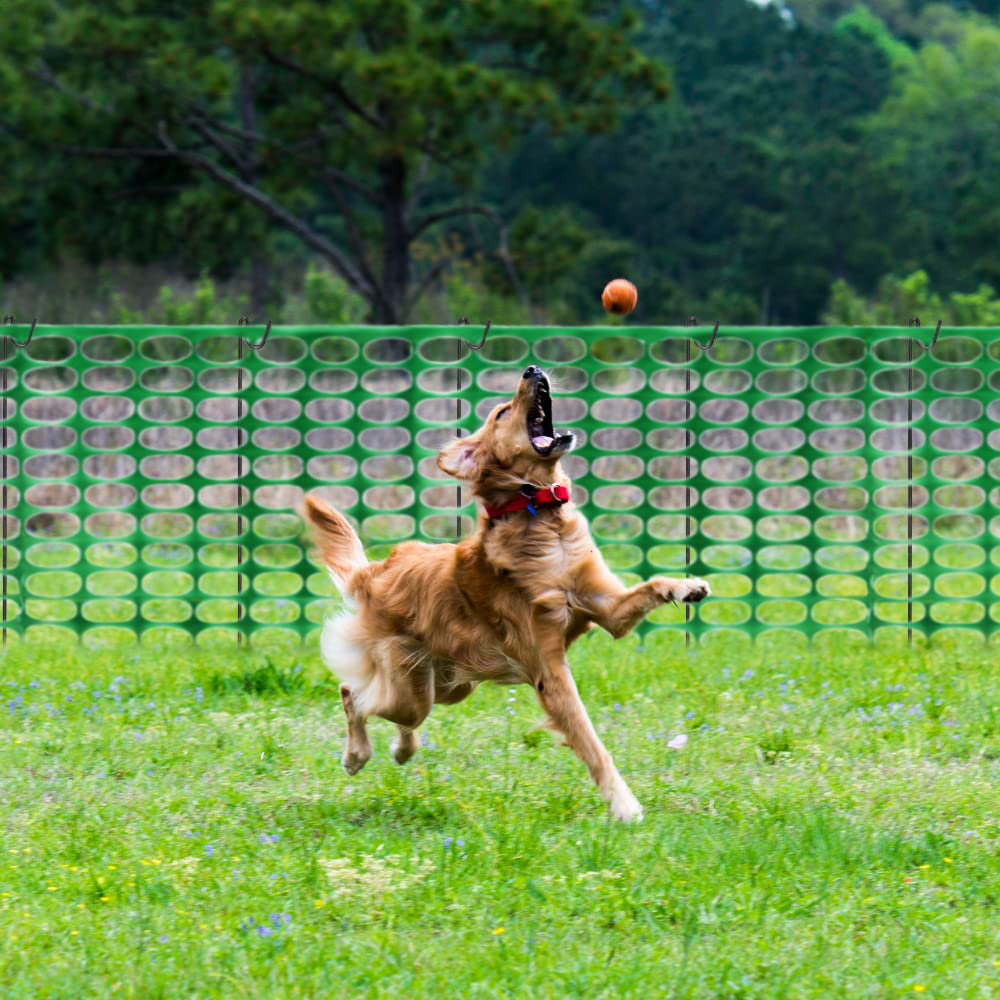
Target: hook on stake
x=915 y=321
x=245 y=321
x=464 y=321
x=10 y=320
x=693 y=321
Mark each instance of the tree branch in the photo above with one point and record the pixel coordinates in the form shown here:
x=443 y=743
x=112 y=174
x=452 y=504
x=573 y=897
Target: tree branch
x=426 y=282
x=116 y=152
x=502 y=251
x=221 y=145
x=333 y=86
x=449 y=213
x=279 y=214
x=508 y=262
x=363 y=280
x=327 y=171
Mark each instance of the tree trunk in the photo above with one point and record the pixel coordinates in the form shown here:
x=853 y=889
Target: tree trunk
x=260 y=283
x=391 y=310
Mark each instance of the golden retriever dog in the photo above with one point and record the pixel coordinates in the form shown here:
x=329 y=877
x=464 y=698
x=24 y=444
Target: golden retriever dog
x=431 y=622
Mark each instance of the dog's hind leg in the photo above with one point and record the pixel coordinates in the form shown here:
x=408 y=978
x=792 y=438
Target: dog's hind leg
x=414 y=693
x=404 y=746
x=405 y=698
x=358 y=749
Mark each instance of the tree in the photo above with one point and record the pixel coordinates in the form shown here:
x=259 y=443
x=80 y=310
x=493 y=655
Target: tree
x=938 y=134
x=752 y=182
x=910 y=20
x=358 y=127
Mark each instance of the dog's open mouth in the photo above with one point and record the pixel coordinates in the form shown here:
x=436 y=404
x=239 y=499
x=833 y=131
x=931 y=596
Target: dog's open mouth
x=540 y=431
x=540 y=419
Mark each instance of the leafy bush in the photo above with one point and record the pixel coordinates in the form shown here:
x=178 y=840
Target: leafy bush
x=330 y=300
x=203 y=308
x=896 y=300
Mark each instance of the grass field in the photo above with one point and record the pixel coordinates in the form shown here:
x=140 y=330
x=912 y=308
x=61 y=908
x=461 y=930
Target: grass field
x=178 y=824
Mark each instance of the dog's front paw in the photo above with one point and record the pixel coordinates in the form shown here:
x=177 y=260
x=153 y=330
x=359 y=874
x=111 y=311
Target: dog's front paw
x=692 y=591
x=625 y=806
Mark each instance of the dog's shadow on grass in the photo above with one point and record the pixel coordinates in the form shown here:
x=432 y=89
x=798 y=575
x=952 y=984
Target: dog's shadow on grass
x=411 y=811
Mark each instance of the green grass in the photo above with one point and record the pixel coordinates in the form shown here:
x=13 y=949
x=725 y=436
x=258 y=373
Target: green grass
x=830 y=830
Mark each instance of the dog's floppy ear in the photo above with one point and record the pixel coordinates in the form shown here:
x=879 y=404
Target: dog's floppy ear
x=461 y=458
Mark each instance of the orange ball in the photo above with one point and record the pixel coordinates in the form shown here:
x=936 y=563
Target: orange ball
x=619 y=297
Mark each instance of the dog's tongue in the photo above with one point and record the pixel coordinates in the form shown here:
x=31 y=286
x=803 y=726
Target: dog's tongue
x=541 y=441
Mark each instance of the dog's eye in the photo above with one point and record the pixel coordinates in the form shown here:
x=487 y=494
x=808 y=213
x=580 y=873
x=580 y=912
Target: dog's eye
x=502 y=412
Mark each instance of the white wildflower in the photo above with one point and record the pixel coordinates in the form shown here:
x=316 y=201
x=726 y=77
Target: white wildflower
x=372 y=874
x=187 y=865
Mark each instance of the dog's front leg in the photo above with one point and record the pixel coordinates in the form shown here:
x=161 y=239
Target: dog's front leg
x=619 y=609
x=557 y=692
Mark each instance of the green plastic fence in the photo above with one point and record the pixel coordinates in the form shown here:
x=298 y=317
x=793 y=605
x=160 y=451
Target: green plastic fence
x=821 y=479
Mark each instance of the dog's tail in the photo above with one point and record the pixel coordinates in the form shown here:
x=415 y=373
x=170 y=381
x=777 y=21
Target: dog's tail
x=338 y=543
x=342 y=643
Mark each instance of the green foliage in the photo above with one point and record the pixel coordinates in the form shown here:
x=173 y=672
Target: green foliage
x=896 y=300
x=937 y=132
x=203 y=308
x=912 y=21
x=129 y=295
x=123 y=314
x=352 y=126
x=754 y=182
x=545 y=246
x=258 y=680
x=465 y=292
x=309 y=157
x=328 y=299
x=860 y=19
x=563 y=258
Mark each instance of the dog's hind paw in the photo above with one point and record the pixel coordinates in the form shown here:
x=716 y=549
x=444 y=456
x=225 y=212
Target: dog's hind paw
x=692 y=591
x=404 y=746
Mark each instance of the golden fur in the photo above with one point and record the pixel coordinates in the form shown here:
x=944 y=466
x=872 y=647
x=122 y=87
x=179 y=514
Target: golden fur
x=429 y=623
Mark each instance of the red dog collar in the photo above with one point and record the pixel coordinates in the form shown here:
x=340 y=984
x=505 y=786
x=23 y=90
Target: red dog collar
x=531 y=498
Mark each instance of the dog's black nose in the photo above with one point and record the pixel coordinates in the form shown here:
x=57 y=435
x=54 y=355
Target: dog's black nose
x=532 y=371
